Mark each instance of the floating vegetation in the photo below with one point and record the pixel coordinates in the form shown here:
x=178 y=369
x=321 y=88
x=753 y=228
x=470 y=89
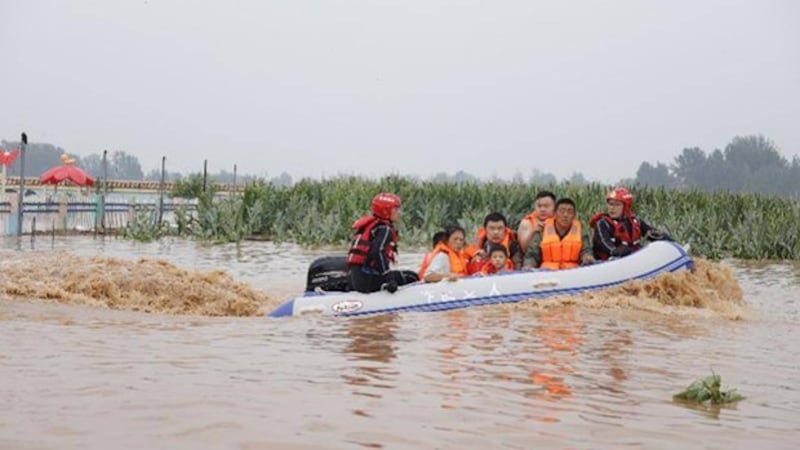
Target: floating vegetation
x=708 y=389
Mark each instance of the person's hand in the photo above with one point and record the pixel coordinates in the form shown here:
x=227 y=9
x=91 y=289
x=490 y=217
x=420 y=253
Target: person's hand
x=453 y=277
x=654 y=235
x=588 y=260
x=621 y=251
x=479 y=255
x=389 y=286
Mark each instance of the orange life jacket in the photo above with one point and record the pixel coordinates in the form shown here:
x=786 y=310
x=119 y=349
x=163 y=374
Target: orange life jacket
x=533 y=218
x=560 y=253
x=458 y=261
x=509 y=238
x=489 y=269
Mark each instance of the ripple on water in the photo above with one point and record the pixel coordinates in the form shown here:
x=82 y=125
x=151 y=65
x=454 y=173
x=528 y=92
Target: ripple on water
x=589 y=372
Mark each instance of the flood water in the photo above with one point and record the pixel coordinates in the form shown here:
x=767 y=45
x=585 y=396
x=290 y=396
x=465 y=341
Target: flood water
x=564 y=376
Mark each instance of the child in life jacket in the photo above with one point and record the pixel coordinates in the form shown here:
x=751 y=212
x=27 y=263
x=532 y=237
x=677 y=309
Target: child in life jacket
x=498 y=260
x=495 y=230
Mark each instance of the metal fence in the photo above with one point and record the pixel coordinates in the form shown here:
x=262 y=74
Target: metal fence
x=81 y=216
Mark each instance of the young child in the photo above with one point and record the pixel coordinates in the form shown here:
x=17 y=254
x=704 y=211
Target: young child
x=498 y=260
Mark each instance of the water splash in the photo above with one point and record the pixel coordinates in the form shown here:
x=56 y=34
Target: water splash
x=146 y=285
x=709 y=290
x=154 y=285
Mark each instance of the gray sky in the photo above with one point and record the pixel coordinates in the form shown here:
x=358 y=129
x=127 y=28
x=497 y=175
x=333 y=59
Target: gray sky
x=410 y=86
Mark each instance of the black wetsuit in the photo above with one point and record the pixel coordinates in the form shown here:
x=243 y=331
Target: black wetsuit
x=604 y=241
x=375 y=273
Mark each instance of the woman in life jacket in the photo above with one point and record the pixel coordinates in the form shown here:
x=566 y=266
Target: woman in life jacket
x=439 y=236
x=447 y=260
x=374 y=248
x=494 y=231
x=544 y=207
x=619 y=232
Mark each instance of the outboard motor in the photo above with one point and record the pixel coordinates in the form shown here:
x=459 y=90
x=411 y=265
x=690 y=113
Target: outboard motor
x=329 y=273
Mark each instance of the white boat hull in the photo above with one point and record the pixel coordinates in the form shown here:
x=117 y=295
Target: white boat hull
x=656 y=258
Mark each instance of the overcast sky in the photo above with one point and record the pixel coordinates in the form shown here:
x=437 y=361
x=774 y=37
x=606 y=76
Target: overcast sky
x=315 y=88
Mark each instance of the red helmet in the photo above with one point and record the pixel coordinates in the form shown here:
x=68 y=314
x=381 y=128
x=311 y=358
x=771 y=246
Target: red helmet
x=383 y=203
x=622 y=195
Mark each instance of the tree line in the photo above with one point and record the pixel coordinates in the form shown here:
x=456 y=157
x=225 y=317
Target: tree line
x=120 y=165
x=42 y=156
x=747 y=164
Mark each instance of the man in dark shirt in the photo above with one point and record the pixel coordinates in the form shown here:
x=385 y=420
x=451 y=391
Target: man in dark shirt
x=374 y=248
x=619 y=232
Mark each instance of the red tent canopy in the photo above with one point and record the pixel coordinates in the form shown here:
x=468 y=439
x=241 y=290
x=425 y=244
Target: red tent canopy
x=7 y=158
x=58 y=174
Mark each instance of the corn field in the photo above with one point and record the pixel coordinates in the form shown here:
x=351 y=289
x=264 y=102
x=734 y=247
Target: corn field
x=315 y=213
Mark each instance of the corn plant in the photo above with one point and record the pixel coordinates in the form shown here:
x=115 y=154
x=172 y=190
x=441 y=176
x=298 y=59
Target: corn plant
x=144 y=226
x=321 y=212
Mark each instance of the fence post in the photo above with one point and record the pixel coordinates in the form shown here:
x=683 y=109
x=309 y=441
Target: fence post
x=205 y=174
x=21 y=193
x=102 y=206
x=234 y=180
x=161 y=191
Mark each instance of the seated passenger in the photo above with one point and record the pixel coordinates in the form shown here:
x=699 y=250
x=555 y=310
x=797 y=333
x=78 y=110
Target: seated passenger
x=619 y=232
x=447 y=260
x=563 y=242
x=544 y=208
x=494 y=231
x=438 y=237
x=498 y=260
x=374 y=248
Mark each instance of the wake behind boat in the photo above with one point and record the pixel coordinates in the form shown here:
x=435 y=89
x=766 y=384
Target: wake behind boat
x=656 y=258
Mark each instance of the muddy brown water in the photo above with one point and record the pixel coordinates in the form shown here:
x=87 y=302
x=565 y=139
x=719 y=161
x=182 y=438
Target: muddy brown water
x=592 y=373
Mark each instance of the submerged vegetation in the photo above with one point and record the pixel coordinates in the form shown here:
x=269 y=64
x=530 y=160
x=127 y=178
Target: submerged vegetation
x=314 y=213
x=145 y=227
x=708 y=389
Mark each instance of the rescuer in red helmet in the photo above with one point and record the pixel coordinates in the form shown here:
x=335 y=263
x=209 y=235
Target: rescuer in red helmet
x=619 y=232
x=374 y=248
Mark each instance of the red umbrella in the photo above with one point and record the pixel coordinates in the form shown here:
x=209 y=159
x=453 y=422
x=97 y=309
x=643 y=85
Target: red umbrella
x=66 y=172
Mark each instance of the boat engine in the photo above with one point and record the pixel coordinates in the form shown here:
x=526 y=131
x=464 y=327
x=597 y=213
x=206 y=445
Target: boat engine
x=329 y=273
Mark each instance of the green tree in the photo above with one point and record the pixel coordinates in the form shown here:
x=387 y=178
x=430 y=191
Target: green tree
x=38 y=158
x=748 y=164
x=656 y=176
x=124 y=166
x=191 y=186
x=690 y=166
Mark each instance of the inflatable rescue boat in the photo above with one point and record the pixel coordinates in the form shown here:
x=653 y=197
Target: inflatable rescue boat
x=656 y=258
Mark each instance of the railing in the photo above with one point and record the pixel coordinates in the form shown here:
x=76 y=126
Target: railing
x=80 y=216
x=134 y=185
